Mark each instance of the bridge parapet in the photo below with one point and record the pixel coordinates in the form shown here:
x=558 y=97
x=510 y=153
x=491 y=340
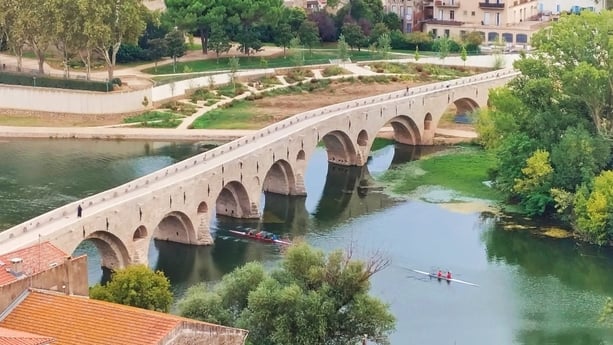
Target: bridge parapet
x=31 y=229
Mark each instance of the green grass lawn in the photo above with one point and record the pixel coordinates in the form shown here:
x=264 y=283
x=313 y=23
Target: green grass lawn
x=310 y=58
x=154 y=119
x=239 y=116
x=462 y=170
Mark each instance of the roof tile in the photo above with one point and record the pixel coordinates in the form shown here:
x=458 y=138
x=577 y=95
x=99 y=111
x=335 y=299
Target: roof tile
x=36 y=258
x=13 y=337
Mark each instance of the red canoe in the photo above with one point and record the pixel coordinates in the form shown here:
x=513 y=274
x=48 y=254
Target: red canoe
x=261 y=239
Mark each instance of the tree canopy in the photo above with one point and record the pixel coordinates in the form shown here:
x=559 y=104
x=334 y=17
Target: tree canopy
x=136 y=286
x=551 y=127
x=312 y=298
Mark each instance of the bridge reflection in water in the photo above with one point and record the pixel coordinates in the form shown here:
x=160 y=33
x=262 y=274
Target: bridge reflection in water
x=336 y=194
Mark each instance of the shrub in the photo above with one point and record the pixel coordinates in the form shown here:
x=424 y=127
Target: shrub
x=58 y=83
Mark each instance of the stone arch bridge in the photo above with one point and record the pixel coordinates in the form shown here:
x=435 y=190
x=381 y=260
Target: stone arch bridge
x=176 y=203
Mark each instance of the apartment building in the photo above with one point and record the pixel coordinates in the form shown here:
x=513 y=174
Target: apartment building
x=510 y=21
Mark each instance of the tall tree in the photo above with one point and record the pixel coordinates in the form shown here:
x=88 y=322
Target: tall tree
x=136 y=286
x=311 y=299
x=176 y=46
x=196 y=16
x=354 y=35
x=112 y=23
x=219 y=41
x=38 y=17
x=283 y=36
x=248 y=16
x=66 y=29
x=15 y=24
x=308 y=34
x=325 y=23
x=577 y=51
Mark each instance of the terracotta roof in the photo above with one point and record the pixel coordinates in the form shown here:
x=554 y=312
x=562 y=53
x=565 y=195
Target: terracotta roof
x=35 y=259
x=13 y=337
x=75 y=320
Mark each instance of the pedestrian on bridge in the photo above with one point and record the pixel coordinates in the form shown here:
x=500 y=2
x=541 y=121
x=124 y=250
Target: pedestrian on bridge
x=79 y=211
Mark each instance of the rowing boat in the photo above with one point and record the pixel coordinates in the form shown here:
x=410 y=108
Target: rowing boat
x=261 y=239
x=433 y=275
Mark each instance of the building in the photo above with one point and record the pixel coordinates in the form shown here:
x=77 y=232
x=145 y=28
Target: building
x=553 y=7
x=12 y=337
x=510 y=21
x=41 y=266
x=75 y=320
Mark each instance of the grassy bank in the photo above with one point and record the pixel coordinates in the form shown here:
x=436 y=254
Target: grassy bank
x=462 y=170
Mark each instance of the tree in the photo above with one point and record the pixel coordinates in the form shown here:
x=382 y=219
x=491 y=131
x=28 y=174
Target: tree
x=196 y=16
x=594 y=209
x=384 y=46
x=442 y=45
x=247 y=16
x=39 y=16
x=607 y=312
x=175 y=43
x=219 y=41
x=311 y=299
x=342 y=49
x=234 y=65
x=308 y=34
x=378 y=30
x=392 y=21
x=283 y=36
x=534 y=187
x=136 y=286
x=158 y=48
x=14 y=24
x=463 y=54
x=416 y=55
x=297 y=53
x=326 y=26
x=112 y=23
x=67 y=30
x=354 y=35
x=576 y=49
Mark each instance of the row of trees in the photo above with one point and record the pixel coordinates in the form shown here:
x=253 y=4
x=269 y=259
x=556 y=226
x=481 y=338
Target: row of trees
x=551 y=128
x=311 y=299
x=78 y=27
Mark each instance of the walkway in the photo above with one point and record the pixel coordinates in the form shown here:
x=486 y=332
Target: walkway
x=182 y=132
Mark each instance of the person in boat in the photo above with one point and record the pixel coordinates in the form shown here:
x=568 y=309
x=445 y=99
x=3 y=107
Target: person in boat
x=259 y=234
x=448 y=275
x=250 y=232
x=439 y=274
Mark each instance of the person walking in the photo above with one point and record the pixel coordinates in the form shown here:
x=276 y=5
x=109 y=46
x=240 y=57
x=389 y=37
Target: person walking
x=79 y=211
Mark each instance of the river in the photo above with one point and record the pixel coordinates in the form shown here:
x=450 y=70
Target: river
x=531 y=290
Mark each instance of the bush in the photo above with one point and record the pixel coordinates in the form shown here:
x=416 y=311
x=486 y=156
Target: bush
x=116 y=81
x=58 y=83
x=333 y=70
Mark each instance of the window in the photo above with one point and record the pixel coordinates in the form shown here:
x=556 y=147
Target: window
x=409 y=27
x=521 y=38
x=466 y=13
x=447 y=33
x=451 y=15
x=434 y=33
x=497 y=18
x=472 y=13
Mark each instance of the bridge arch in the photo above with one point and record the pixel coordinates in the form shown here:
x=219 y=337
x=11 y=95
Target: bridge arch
x=140 y=233
x=280 y=179
x=405 y=130
x=427 y=121
x=363 y=138
x=113 y=252
x=340 y=148
x=203 y=208
x=233 y=201
x=175 y=227
x=465 y=105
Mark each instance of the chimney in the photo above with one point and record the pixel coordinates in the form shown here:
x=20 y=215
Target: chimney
x=17 y=266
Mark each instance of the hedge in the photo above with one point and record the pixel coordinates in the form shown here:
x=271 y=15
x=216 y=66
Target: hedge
x=59 y=83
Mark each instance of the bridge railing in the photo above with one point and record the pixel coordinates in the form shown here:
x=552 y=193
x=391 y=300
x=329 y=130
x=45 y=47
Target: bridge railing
x=141 y=182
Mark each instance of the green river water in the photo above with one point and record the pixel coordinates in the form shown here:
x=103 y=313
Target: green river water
x=531 y=290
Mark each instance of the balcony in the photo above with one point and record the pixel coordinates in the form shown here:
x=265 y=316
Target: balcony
x=447 y=4
x=491 y=5
x=443 y=22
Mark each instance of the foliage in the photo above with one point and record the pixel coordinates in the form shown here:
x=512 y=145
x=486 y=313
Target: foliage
x=594 y=209
x=136 y=286
x=176 y=46
x=511 y=154
x=308 y=33
x=342 y=48
x=60 y=83
x=534 y=187
x=354 y=36
x=384 y=46
x=325 y=24
x=607 y=312
x=311 y=299
x=333 y=70
x=219 y=41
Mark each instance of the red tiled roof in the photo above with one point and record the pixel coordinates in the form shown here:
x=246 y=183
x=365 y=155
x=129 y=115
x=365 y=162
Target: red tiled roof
x=77 y=320
x=35 y=259
x=13 y=337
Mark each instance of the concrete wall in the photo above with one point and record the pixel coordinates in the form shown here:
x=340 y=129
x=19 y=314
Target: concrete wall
x=69 y=277
x=72 y=101
x=196 y=333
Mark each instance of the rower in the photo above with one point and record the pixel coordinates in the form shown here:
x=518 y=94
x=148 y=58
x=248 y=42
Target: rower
x=439 y=274
x=448 y=275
